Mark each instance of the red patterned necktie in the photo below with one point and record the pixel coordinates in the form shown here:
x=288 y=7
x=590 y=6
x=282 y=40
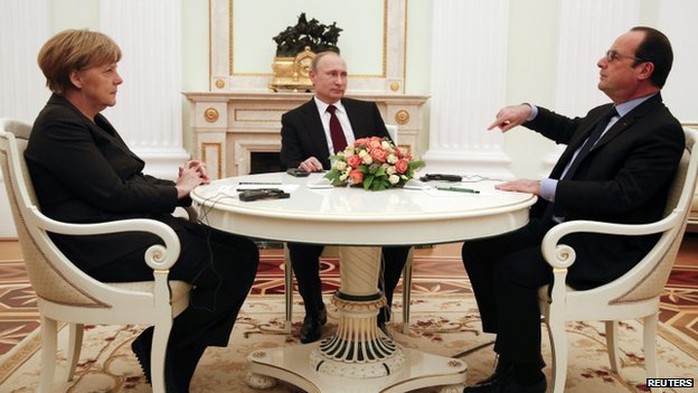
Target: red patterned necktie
x=339 y=142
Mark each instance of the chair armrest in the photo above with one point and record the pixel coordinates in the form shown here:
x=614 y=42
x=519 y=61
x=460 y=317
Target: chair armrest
x=157 y=256
x=562 y=256
x=192 y=213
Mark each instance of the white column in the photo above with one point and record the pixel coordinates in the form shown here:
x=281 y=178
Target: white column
x=587 y=30
x=24 y=28
x=676 y=19
x=469 y=60
x=149 y=110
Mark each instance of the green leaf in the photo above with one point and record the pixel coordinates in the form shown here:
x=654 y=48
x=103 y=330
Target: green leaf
x=367 y=182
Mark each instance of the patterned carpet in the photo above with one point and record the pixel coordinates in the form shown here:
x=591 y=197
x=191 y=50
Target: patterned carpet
x=435 y=276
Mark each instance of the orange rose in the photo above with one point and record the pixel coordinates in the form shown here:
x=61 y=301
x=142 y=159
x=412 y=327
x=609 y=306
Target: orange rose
x=379 y=155
x=354 y=161
x=356 y=176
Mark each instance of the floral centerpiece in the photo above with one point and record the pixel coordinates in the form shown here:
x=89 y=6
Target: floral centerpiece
x=372 y=163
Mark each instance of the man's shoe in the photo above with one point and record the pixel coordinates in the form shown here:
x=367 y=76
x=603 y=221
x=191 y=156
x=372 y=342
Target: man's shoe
x=312 y=326
x=494 y=378
x=505 y=384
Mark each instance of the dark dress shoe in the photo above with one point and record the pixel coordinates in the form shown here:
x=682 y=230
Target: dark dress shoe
x=312 y=326
x=505 y=384
x=141 y=348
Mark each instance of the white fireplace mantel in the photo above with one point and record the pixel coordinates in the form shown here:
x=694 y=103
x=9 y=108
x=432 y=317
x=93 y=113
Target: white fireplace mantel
x=227 y=127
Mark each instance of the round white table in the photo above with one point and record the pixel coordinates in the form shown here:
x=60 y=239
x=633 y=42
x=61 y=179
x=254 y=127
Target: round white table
x=358 y=357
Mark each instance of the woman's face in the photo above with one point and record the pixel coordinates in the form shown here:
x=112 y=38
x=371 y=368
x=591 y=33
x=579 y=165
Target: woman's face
x=98 y=85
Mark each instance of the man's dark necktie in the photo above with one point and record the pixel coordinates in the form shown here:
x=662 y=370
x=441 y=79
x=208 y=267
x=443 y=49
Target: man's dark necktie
x=590 y=142
x=339 y=142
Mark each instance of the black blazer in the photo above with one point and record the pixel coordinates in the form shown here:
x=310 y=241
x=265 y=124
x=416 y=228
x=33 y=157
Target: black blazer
x=302 y=135
x=623 y=179
x=83 y=172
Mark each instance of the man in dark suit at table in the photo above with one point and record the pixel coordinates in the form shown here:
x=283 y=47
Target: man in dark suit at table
x=617 y=167
x=309 y=134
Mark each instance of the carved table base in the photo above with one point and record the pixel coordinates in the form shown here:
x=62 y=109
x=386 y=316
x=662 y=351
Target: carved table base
x=358 y=357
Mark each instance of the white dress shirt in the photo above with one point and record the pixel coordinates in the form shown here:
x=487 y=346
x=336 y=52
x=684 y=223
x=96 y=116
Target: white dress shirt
x=343 y=118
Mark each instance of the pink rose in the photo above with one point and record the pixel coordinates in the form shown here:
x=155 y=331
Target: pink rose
x=356 y=176
x=361 y=142
x=375 y=142
x=401 y=166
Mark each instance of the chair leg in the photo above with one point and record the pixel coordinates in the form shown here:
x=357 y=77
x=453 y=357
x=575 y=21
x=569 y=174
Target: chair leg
x=49 y=339
x=407 y=292
x=558 y=346
x=74 y=347
x=649 y=340
x=161 y=335
x=288 y=291
x=612 y=345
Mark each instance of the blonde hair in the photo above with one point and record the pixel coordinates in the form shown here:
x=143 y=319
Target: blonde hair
x=72 y=50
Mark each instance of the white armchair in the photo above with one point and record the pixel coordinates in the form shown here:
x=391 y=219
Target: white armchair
x=633 y=295
x=67 y=294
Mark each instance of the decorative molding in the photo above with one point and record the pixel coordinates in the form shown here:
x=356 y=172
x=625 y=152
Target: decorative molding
x=217 y=157
x=402 y=117
x=222 y=51
x=249 y=122
x=211 y=115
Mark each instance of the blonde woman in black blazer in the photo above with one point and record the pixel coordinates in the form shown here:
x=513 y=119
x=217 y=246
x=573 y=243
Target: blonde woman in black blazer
x=83 y=172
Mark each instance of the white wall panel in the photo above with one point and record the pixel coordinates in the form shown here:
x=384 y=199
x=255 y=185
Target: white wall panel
x=587 y=29
x=677 y=19
x=149 y=110
x=469 y=60
x=23 y=29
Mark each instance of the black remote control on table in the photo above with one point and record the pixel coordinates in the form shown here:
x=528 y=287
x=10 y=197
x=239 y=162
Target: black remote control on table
x=263 y=193
x=440 y=177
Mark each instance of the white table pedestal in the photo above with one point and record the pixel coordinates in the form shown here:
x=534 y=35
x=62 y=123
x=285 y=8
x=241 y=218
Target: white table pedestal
x=358 y=357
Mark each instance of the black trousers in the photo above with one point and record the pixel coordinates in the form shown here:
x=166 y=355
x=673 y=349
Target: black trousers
x=221 y=266
x=505 y=273
x=306 y=267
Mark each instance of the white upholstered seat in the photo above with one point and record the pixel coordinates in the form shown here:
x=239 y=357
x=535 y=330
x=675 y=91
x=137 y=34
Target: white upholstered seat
x=67 y=294
x=635 y=295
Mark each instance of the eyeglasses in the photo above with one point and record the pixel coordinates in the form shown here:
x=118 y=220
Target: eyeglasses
x=613 y=55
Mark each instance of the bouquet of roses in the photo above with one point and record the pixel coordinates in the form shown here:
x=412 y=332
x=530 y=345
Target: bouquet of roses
x=372 y=163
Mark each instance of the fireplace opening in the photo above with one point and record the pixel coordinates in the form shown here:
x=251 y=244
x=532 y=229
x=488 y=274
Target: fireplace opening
x=264 y=162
